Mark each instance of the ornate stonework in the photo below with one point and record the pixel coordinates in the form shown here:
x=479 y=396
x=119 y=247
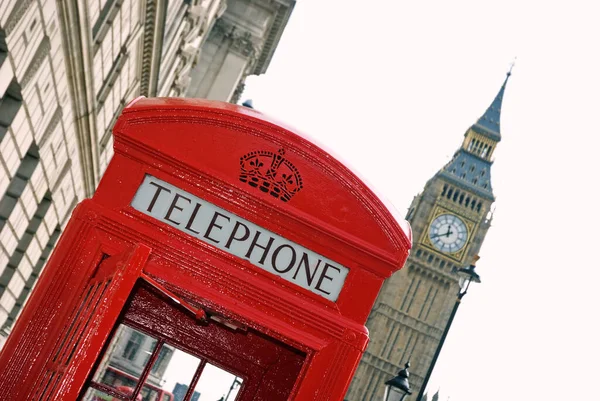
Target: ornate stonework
x=244 y=45
x=251 y=43
x=148 y=44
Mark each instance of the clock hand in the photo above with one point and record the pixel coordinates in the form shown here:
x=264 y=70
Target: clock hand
x=447 y=234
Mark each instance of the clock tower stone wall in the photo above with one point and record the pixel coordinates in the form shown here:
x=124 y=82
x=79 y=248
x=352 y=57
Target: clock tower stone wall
x=414 y=305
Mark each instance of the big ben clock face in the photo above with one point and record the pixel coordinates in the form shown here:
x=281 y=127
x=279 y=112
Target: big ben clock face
x=448 y=233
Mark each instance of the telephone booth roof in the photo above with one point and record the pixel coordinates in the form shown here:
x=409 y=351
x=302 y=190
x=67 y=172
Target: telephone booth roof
x=357 y=211
x=272 y=179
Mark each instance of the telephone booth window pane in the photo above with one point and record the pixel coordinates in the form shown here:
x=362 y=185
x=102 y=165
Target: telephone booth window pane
x=125 y=359
x=125 y=364
x=179 y=373
x=132 y=347
x=162 y=361
x=156 y=384
x=216 y=383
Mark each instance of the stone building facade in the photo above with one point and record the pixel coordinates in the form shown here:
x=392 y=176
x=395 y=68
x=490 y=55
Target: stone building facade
x=67 y=69
x=450 y=219
x=40 y=169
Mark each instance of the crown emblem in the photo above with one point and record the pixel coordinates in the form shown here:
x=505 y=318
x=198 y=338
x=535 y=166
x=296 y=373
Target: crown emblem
x=271 y=173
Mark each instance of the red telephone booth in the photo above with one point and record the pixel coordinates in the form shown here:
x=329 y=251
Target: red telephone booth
x=218 y=233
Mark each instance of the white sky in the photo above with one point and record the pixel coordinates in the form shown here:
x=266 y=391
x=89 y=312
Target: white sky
x=391 y=86
x=213 y=384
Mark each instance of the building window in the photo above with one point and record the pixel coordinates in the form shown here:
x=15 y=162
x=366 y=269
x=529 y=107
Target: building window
x=133 y=345
x=25 y=40
x=485 y=151
x=164 y=356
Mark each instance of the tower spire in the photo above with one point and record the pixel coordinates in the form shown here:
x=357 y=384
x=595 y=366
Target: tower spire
x=489 y=123
x=512 y=64
x=471 y=163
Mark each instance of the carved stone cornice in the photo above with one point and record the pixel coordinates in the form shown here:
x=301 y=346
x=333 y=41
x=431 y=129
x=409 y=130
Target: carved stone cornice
x=242 y=42
x=39 y=57
x=282 y=16
x=258 y=50
x=147 y=47
x=16 y=15
x=244 y=45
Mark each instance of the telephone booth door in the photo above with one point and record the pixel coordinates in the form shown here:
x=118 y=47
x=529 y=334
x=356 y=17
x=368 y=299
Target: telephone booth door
x=157 y=343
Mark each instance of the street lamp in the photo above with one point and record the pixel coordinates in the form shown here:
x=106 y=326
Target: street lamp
x=466 y=275
x=236 y=383
x=397 y=388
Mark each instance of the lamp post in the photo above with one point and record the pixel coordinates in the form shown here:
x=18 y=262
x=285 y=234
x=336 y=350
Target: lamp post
x=397 y=388
x=466 y=275
x=236 y=383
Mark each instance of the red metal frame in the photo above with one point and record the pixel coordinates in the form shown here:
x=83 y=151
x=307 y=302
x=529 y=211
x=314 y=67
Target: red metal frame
x=108 y=246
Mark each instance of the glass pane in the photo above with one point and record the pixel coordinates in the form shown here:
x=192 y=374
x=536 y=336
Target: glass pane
x=216 y=383
x=395 y=394
x=178 y=375
x=125 y=359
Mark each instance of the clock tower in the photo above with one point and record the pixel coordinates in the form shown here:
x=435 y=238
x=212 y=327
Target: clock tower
x=450 y=220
